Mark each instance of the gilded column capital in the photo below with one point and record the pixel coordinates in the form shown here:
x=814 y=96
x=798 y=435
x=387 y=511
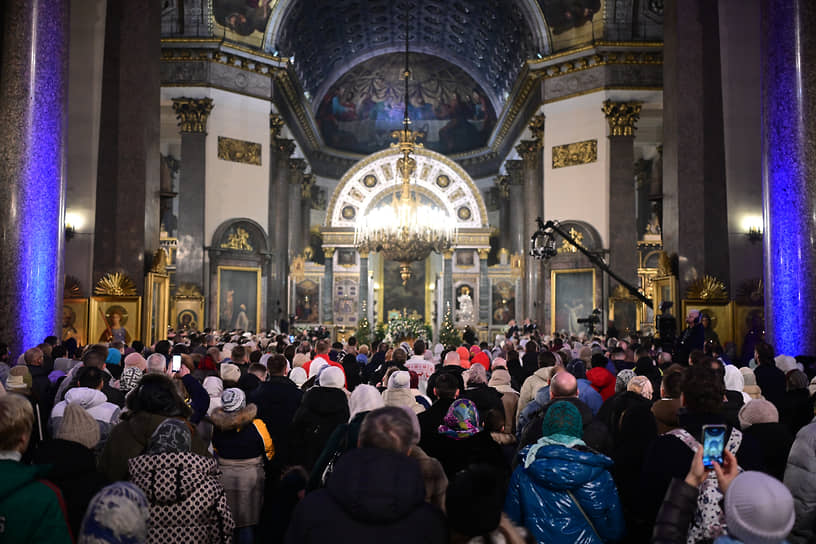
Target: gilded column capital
x=514 y=170
x=483 y=253
x=275 y=125
x=447 y=254
x=536 y=125
x=192 y=114
x=328 y=252
x=298 y=165
x=622 y=117
x=363 y=254
x=529 y=149
x=502 y=183
x=307 y=181
x=284 y=146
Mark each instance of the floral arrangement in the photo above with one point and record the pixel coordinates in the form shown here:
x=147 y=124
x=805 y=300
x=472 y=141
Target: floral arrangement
x=404 y=328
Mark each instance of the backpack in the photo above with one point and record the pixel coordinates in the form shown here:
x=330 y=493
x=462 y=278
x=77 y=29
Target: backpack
x=709 y=517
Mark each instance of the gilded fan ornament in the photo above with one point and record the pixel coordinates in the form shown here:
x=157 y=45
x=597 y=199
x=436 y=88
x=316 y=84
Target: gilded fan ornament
x=71 y=288
x=707 y=288
x=751 y=293
x=115 y=284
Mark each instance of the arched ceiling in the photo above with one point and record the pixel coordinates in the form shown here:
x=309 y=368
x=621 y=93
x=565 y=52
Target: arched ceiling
x=489 y=39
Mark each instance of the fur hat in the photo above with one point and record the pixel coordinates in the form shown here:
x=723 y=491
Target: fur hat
x=758 y=411
x=399 y=380
x=333 y=377
x=78 y=426
x=230 y=372
x=298 y=375
x=758 y=509
x=233 y=399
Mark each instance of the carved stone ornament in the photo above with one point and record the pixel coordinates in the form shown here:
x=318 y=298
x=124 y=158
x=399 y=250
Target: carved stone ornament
x=192 y=113
x=275 y=125
x=306 y=183
x=238 y=240
x=503 y=185
x=529 y=149
x=115 y=285
x=298 y=165
x=707 y=288
x=575 y=154
x=240 y=151
x=537 y=126
x=284 y=146
x=159 y=265
x=622 y=117
x=189 y=290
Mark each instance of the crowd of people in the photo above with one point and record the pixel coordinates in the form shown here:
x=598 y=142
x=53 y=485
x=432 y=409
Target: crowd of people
x=235 y=437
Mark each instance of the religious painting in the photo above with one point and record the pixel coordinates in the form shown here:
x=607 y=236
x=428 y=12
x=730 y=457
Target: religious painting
x=503 y=302
x=115 y=319
x=572 y=22
x=748 y=319
x=346 y=257
x=75 y=320
x=307 y=301
x=188 y=313
x=665 y=290
x=239 y=298
x=361 y=109
x=242 y=21
x=465 y=313
x=157 y=302
x=466 y=258
x=623 y=313
x=346 y=301
x=721 y=318
x=572 y=298
x=405 y=299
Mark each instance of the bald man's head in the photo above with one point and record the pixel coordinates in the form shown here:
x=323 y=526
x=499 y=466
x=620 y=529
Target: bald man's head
x=452 y=358
x=563 y=385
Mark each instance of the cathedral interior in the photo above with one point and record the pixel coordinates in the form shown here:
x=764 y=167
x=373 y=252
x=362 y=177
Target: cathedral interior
x=185 y=164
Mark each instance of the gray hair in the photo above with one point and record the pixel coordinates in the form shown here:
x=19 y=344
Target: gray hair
x=389 y=428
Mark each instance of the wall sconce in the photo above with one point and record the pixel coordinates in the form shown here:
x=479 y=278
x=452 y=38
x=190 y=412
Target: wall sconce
x=73 y=222
x=752 y=225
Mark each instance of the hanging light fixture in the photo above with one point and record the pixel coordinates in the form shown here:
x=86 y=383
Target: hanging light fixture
x=405 y=230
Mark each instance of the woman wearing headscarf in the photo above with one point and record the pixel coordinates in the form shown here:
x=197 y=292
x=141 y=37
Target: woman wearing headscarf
x=184 y=491
x=363 y=399
x=118 y=514
x=399 y=393
x=735 y=381
x=750 y=387
x=135 y=367
x=462 y=441
x=243 y=444
x=562 y=491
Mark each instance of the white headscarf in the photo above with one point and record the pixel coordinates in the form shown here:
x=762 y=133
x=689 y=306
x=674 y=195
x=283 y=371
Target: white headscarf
x=364 y=398
x=735 y=381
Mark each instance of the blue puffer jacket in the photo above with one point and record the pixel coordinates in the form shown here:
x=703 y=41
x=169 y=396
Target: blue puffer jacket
x=539 y=497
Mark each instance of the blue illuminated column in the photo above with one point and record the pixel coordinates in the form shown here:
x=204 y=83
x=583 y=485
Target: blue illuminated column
x=33 y=92
x=789 y=173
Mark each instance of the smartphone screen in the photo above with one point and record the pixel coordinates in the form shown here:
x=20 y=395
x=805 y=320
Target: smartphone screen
x=713 y=444
x=291 y=339
x=176 y=363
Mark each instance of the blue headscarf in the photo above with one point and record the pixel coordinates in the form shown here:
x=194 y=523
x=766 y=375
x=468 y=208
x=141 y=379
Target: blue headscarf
x=114 y=357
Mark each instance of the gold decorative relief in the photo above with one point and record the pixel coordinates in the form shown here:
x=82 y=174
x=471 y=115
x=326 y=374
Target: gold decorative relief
x=537 y=127
x=574 y=154
x=566 y=247
x=238 y=240
x=188 y=290
x=707 y=288
x=115 y=284
x=192 y=113
x=622 y=117
x=239 y=151
x=71 y=288
x=159 y=265
x=275 y=125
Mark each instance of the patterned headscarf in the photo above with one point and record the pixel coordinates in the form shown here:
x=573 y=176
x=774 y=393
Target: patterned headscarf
x=118 y=514
x=461 y=421
x=622 y=380
x=562 y=418
x=171 y=436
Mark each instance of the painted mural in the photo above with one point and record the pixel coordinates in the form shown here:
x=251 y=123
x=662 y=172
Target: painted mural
x=572 y=22
x=242 y=20
x=362 y=108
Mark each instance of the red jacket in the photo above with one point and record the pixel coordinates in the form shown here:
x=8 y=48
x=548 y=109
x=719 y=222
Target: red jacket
x=602 y=381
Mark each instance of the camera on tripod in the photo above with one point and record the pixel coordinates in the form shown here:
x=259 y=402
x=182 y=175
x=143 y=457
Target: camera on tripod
x=591 y=320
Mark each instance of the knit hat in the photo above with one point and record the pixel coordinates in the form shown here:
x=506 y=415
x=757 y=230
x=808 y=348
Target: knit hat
x=399 y=380
x=333 y=377
x=298 y=375
x=299 y=360
x=362 y=359
x=118 y=514
x=461 y=421
x=622 y=380
x=499 y=362
x=233 y=399
x=78 y=426
x=364 y=398
x=757 y=411
x=482 y=359
x=171 y=436
x=758 y=509
x=136 y=360
x=114 y=357
x=230 y=372
x=475 y=375
x=19 y=379
x=562 y=418
x=130 y=378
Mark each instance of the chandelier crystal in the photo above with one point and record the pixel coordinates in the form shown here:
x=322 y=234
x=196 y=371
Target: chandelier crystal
x=405 y=230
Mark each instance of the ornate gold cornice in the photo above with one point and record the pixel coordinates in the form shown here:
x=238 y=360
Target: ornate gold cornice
x=536 y=125
x=192 y=113
x=284 y=146
x=707 y=288
x=529 y=149
x=622 y=117
x=275 y=125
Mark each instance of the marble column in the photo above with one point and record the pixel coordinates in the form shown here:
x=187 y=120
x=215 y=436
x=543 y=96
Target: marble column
x=278 y=226
x=484 y=290
x=192 y=115
x=447 y=280
x=502 y=184
x=298 y=167
x=515 y=169
x=327 y=302
x=695 y=207
x=33 y=99
x=530 y=151
x=128 y=178
x=306 y=185
x=364 y=303
x=789 y=173
x=623 y=234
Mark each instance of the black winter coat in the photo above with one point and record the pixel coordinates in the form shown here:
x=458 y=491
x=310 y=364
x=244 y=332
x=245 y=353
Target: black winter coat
x=373 y=495
x=277 y=401
x=485 y=398
x=456 y=370
x=456 y=455
x=430 y=420
x=775 y=443
x=320 y=412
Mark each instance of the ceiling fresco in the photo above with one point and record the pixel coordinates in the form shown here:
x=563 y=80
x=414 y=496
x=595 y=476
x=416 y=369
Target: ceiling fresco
x=361 y=109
